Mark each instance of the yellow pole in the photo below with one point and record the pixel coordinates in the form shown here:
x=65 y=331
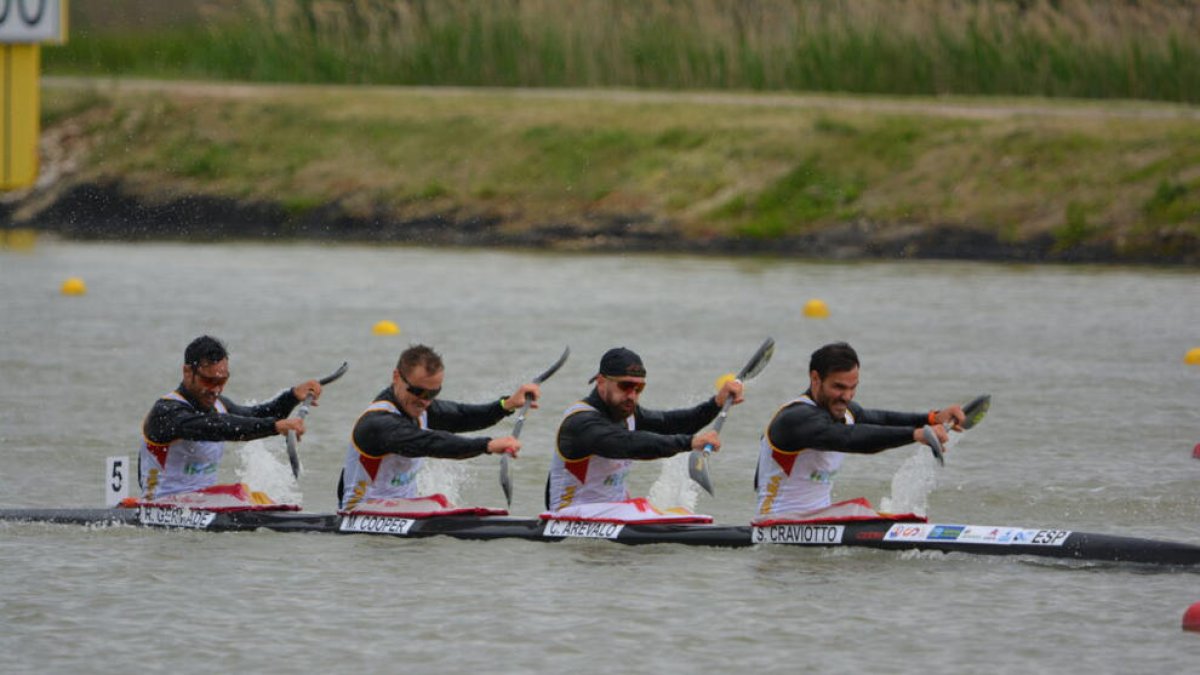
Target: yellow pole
x=19 y=114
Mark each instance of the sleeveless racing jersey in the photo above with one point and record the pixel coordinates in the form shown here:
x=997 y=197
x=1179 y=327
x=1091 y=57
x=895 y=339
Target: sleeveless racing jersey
x=181 y=465
x=391 y=476
x=591 y=479
x=796 y=481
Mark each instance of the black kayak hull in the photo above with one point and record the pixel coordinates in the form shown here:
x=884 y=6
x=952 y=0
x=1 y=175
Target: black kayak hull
x=947 y=538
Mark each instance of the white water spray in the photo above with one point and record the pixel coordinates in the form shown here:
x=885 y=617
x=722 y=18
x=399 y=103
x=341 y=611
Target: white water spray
x=674 y=487
x=914 y=480
x=445 y=476
x=267 y=470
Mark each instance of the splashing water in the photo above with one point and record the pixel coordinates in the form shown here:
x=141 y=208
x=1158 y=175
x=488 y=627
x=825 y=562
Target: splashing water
x=267 y=470
x=911 y=485
x=674 y=487
x=445 y=476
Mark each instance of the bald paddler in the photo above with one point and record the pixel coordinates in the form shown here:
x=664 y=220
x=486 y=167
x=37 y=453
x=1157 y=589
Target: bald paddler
x=807 y=439
x=408 y=422
x=185 y=433
x=603 y=434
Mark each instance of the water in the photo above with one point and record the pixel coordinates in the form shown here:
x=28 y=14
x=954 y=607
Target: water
x=1093 y=419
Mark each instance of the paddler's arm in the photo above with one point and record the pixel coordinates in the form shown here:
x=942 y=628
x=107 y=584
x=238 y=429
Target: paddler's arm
x=801 y=427
x=170 y=420
x=379 y=433
x=683 y=421
x=591 y=433
x=458 y=417
x=279 y=407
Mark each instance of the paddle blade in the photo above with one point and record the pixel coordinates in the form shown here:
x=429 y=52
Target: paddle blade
x=505 y=479
x=698 y=470
x=935 y=446
x=976 y=410
x=336 y=374
x=759 y=361
x=293 y=457
x=554 y=368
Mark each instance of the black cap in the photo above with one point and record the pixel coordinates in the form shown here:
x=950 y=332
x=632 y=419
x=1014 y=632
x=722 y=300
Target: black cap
x=618 y=362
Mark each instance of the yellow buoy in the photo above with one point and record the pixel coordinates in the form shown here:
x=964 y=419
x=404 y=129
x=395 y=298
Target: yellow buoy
x=74 y=286
x=722 y=380
x=1192 y=358
x=386 y=327
x=816 y=309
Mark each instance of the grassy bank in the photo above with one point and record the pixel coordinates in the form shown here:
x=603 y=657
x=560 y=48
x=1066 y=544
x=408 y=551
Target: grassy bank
x=1057 y=48
x=744 y=167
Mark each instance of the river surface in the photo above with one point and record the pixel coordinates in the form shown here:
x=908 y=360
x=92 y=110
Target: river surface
x=1093 y=421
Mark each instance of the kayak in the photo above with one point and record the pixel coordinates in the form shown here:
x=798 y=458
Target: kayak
x=885 y=535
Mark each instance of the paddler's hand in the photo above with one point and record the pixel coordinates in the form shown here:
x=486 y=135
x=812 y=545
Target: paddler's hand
x=290 y=424
x=709 y=437
x=504 y=446
x=732 y=388
x=952 y=415
x=528 y=391
x=940 y=431
x=301 y=391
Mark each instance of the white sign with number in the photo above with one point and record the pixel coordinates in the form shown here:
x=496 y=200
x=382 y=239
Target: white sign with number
x=116 y=476
x=30 y=21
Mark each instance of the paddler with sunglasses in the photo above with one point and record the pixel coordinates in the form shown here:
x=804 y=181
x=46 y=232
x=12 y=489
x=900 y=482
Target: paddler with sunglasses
x=603 y=434
x=408 y=422
x=184 y=435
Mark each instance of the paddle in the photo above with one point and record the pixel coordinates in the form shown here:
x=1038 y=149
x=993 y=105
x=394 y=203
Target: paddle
x=698 y=459
x=974 y=412
x=505 y=477
x=293 y=458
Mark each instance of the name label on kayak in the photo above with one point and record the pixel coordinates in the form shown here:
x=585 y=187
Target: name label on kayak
x=170 y=517
x=582 y=529
x=376 y=524
x=806 y=535
x=976 y=534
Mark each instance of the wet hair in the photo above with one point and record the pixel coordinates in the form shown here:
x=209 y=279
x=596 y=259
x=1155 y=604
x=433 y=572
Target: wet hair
x=837 y=357
x=204 y=350
x=419 y=355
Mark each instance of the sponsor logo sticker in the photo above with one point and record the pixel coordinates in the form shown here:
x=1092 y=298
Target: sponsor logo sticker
x=805 y=535
x=376 y=524
x=581 y=529
x=170 y=517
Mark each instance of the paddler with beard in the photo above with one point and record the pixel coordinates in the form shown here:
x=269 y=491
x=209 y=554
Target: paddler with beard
x=603 y=434
x=184 y=435
x=807 y=439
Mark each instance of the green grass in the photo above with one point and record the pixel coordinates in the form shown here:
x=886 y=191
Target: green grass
x=1112 y=49
x=758 y=171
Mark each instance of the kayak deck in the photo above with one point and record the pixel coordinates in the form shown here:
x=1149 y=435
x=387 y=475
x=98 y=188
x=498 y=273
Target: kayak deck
x=885 y=535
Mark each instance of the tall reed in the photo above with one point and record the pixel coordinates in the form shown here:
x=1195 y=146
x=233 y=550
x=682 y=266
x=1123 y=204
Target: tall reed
x=1060 y=48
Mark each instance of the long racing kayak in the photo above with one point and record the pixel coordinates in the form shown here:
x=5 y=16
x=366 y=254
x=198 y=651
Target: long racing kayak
x=886 y=535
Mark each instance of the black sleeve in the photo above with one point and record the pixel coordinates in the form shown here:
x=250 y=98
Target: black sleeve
x=591 y=433
x=684 y=421
x=801 y=426
x=888 y=418
x=378 y=433
x=459 y=417
x=278 y=408
x=170 y=420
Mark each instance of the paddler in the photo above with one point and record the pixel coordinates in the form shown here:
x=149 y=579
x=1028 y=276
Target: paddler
x=408 y=422
x=184 y=435
x=601 y=435
x=806 y=441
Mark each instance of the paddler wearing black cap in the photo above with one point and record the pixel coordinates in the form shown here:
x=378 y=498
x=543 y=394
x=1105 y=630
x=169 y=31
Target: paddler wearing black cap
x=806 y=441
x=184 y=435
x=601 y=435
x=407 y=422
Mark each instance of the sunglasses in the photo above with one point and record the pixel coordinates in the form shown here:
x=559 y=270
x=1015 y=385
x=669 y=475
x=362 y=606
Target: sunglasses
x=420 y=392
x=629 y=386
x=208 y=380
